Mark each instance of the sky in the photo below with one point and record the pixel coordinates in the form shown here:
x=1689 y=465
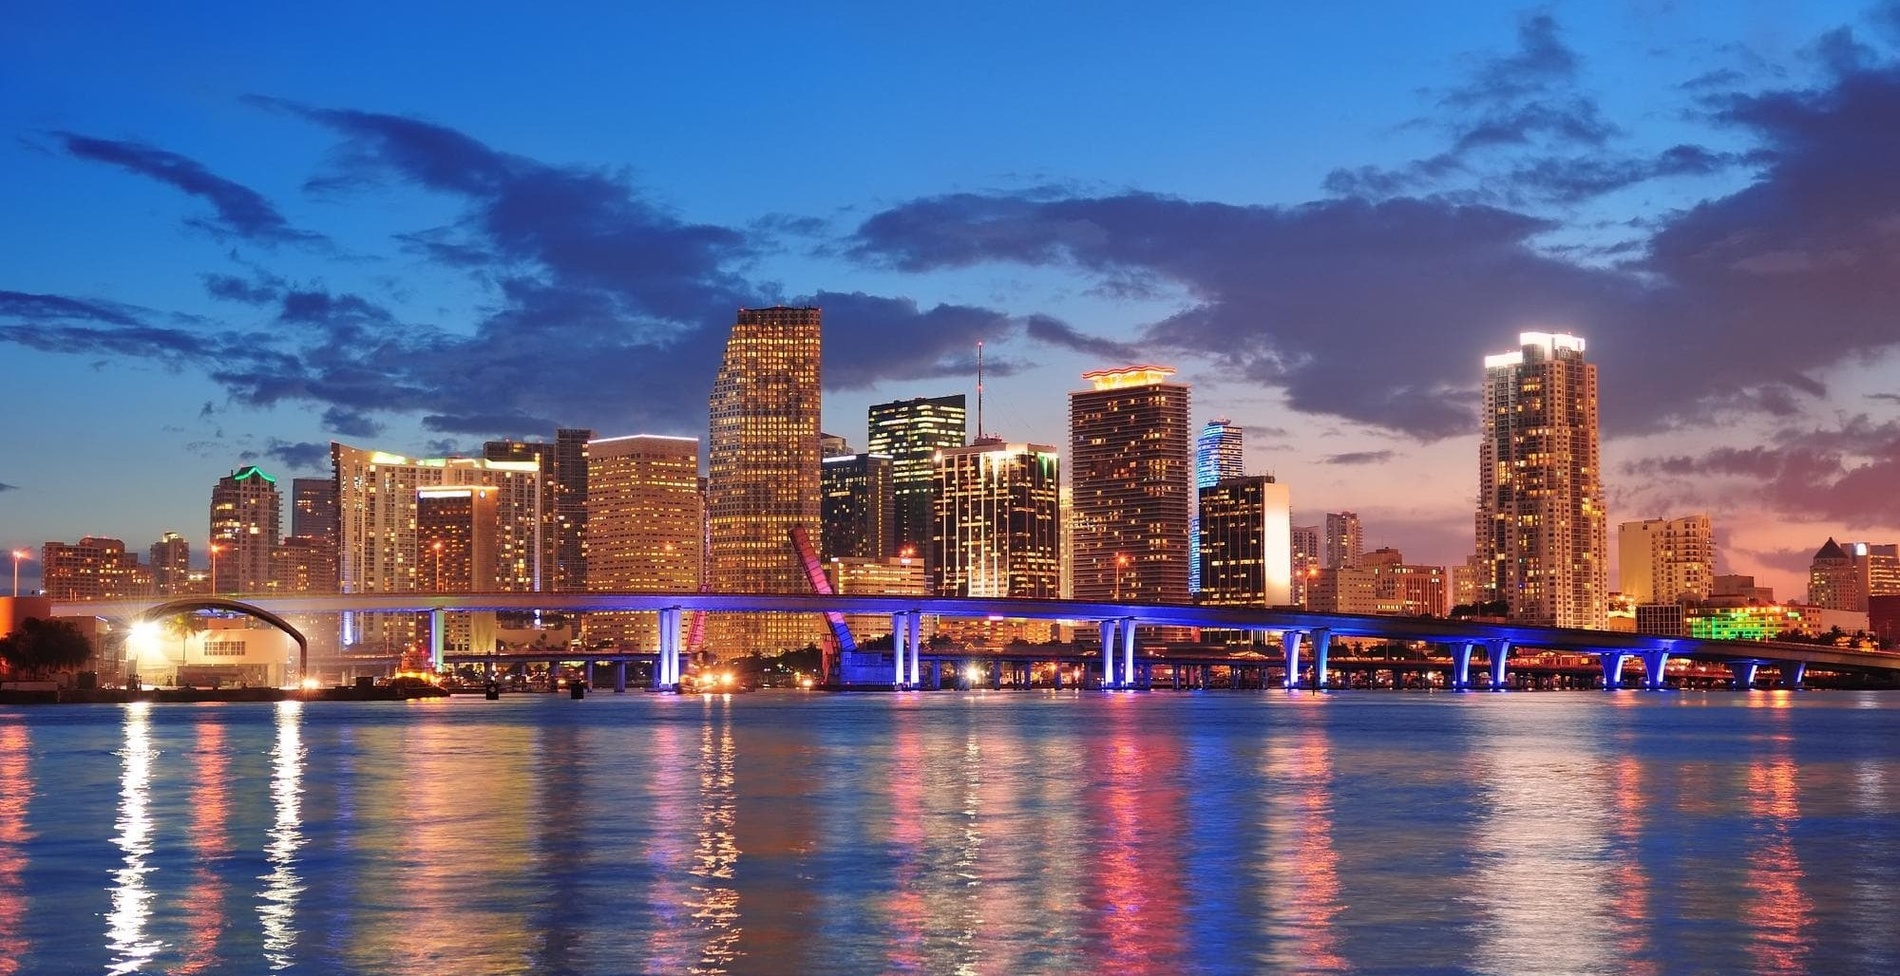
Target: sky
x=230 y=234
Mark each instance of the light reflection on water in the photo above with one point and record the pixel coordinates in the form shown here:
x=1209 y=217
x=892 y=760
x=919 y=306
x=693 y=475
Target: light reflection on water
x=986 y=833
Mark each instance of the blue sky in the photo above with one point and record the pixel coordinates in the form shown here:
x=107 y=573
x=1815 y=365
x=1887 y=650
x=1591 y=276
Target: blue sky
x=1323 y=216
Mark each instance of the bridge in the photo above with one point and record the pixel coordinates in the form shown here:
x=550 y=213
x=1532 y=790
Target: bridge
x=1305 y=636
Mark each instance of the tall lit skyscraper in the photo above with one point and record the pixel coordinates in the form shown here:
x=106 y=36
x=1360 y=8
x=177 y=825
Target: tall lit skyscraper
x=313 y=508
x=911 y=432
x=1846 y=575
x=1246 y=543
x=1542 y=531
x=1345 y=540
x=644 y=513
x=1666 y=560
x=858 y=507
x=1306 y=560
x=999 y=521
x=1132 y=474
x=762 y=478
x=1217 y=455
x=563 y=561
x=247 y=521
x=171 y=564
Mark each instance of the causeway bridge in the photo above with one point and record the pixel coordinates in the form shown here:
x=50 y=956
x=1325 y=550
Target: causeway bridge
x=1301 y=657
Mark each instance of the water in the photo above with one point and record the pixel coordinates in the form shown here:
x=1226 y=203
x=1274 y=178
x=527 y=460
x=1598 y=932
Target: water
x=988 y=832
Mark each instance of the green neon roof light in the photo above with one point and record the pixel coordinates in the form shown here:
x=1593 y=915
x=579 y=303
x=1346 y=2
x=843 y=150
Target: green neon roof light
x=248 y=471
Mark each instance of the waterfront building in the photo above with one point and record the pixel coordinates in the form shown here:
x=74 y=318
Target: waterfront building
x=998 y=527
x=644 y=519
x=1666 y=560
x=313 y=508
x=1345 y=541
x=1843 y=576
x=1306 y=559
x=1741 y=588
x=1217 y=455
x=1246 y=543
x=1132 y=474
x=457 y=530
x=858 y=507
x=1344 y=589
x=563 y=466
x=1406 y=589
x=247 y=520
x=171 y=564
x=762 y=476
x=1542 y=533
x=96 y=568
x=910 y=433
x=378 y=549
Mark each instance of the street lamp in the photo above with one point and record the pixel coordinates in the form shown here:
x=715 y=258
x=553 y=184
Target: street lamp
x=1121 y=562
x=214 y=567
x=18 y=554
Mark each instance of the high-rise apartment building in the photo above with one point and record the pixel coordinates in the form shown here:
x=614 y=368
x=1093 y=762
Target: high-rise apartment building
x=1666 y=560
x=1132 y=477
x=96 y=568
x=1306 y=560
x=247 y=520
x=1406 y=589
x=313 y=508
x=457 y=530
x=1844 y=575
x=171 y=564
x=1345 y=540
x=1217 y=455
x=378 y=548
x=910 y=433
x=304 y=564
x=1246 y=543
x=762 y=477
x=857 y=507
x=998 y=521
x=644 y=513
x=1542 y=531
x=563 y=562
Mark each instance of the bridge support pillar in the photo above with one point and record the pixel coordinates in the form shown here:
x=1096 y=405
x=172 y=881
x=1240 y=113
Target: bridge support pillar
x=900 y=649
x=1793 y=673
x=914 y=621
x=1128 y=652
x=1500 y=659
x=1742 y=674
x=436 y=619
x=1108 y=653
x=1612 y=662
x=1290 y=642
x=1653 y=664
x=1322 y=641
x=666 y=670
x=620 y=677
x=1461 y=665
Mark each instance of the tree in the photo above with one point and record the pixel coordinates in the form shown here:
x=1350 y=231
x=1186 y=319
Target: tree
x=40 y=646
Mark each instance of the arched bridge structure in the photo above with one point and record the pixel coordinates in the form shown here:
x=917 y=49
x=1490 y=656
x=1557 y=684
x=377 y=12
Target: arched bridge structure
x=193 y=604
x=1305 y=635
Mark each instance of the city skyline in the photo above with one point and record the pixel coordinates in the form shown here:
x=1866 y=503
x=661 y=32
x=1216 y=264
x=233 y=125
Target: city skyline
x=253 y=255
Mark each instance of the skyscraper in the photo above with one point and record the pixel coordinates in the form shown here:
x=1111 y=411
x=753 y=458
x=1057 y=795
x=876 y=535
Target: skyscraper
x=1541 y=527
x=1217 y=455
x=1666 y=560
x=1306 y=560
x=1845 y=575
x=858 y=507
x=247 y=520
x=998 y=521
x=563 y=561
x=911 y=432
x=644 y=513
x=96 y=568
x=1132 y=474
x=1246 y=543
x=1345 y=540
x=762 y=478
x=313 y=508
x=171 y=564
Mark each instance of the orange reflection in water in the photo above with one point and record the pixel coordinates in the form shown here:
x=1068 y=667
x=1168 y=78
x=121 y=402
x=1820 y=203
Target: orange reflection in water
x=16 y=789
x=1627 y=878
x=203 y=903
x=1137 y=899
x=714 y=900
x=1302 y=861
x=909 y=915
x=1781 y=913
x=673 y=782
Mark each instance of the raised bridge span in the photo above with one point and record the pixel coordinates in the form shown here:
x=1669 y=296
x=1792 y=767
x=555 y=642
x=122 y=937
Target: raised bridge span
x=1305 y=635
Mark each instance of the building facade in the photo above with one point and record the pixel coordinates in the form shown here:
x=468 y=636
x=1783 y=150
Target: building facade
x=644 y=517
x=1217 y=455
x=858 y=508
x=171 y=565
x=998 y=521
x=563 y=466
x=1845 y=575
x=1542 y=532
x=247 y=521
x=96 y=568
x=1345 y=541
x=763 y=474
x=313 y=508
x=1666 y=560
x=1131 y=472
x=910 y=433
x=1246 y=543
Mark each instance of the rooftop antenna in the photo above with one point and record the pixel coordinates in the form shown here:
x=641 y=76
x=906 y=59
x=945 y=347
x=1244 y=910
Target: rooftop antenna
x=979 y=391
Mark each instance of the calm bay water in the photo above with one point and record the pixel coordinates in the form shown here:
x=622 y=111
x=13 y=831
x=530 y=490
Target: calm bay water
x=987 y=832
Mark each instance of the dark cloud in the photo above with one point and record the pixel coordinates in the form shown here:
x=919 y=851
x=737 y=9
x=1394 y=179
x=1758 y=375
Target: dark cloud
x=445 y=447
x=870 y=339
x=1358 y=457
x=350 y=423
x=512 y=424
x=6 y=487
x=1053 y=332
x=299 y=455
x=23 y=306
x=241 y=211
x=1888 y=397
x=231 y=288
x=1844 y=473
